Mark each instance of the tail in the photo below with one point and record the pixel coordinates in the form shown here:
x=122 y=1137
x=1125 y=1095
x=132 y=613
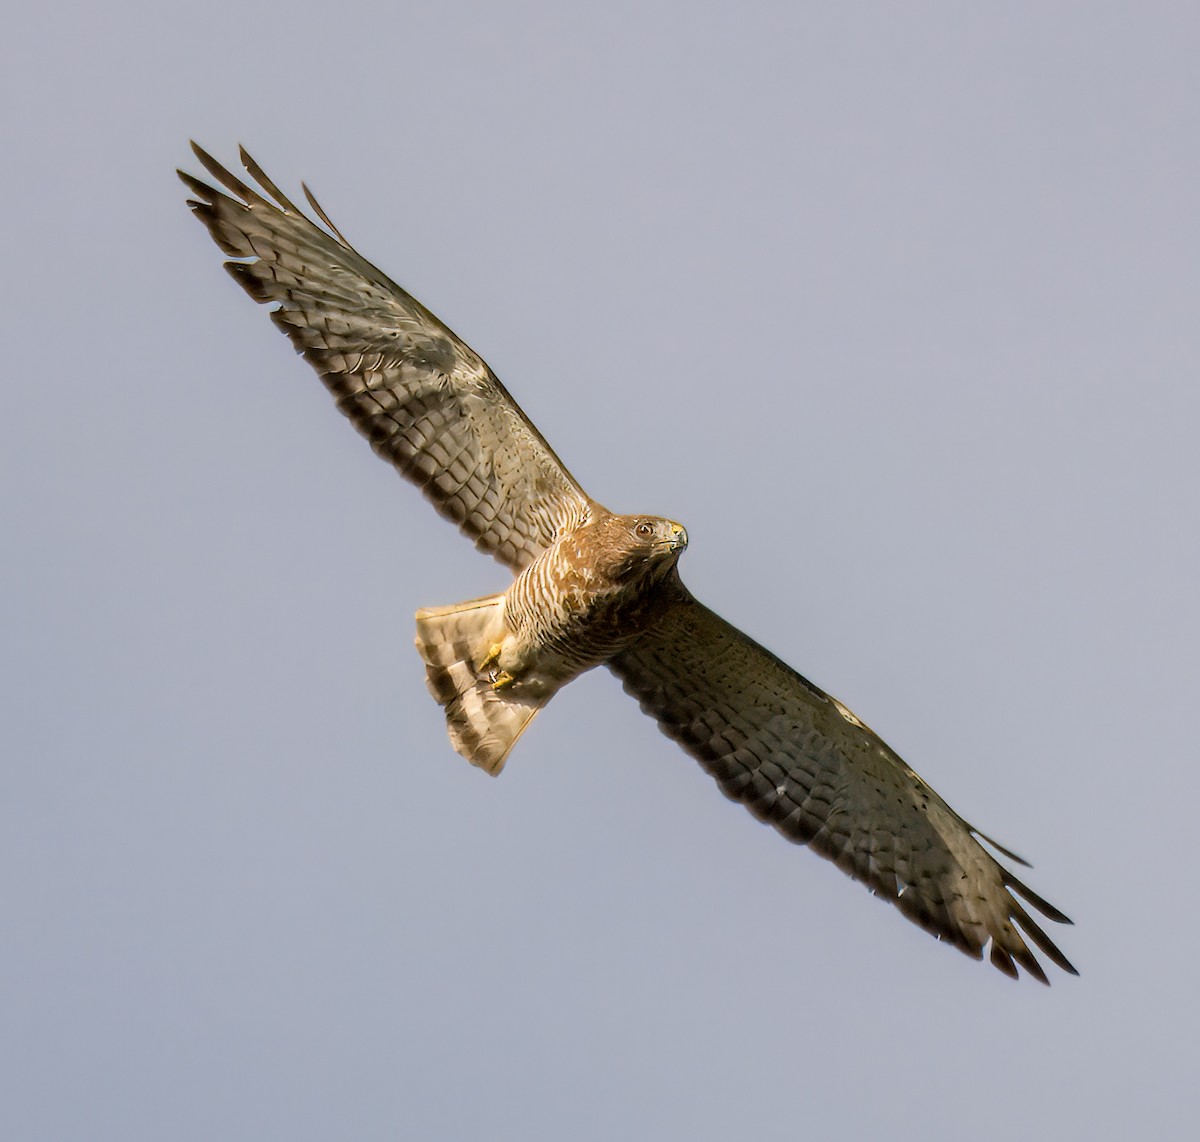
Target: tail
x=483 y=723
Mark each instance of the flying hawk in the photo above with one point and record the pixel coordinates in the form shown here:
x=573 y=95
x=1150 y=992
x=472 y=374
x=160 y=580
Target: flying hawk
x=595 y=588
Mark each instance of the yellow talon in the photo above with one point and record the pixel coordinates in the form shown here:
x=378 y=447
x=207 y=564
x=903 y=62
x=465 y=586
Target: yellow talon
x=501 y=679
x=493 y=656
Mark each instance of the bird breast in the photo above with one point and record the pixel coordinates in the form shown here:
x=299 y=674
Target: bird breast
x=564 y=605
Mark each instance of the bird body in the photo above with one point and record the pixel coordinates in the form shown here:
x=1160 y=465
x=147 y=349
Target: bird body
x=493 y=663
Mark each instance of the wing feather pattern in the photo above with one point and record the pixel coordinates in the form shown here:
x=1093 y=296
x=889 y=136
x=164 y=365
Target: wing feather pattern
x=423 y=398
x=800 y=761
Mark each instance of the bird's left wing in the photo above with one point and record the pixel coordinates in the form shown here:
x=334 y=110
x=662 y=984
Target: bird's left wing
x=800 y=761
x=422 y=397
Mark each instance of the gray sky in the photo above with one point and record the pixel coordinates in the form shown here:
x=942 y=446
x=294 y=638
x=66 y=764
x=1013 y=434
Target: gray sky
x=903 y=296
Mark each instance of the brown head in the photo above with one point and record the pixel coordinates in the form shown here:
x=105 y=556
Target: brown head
x=630 y=546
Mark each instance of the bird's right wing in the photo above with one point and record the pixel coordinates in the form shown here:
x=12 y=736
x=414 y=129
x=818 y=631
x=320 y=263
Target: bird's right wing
x=799 y=760
x=420 y=395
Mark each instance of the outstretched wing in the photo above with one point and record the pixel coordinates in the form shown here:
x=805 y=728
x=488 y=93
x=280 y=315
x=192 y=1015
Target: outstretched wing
x=799 y=760
x=422 y=397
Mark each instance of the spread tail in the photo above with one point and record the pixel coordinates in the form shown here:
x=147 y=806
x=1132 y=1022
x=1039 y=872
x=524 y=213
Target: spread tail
x=483 y=723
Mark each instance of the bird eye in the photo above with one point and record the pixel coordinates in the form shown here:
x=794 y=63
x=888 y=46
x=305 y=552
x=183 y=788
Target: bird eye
x=644 y=529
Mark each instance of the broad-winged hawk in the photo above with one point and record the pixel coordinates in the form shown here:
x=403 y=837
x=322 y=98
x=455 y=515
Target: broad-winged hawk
x=596 y=588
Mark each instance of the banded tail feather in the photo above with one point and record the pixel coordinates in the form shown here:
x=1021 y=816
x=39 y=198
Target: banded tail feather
x=484 y=723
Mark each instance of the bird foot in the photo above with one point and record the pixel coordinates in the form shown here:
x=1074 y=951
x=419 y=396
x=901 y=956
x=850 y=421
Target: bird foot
x=491 y=658
x=501 y=679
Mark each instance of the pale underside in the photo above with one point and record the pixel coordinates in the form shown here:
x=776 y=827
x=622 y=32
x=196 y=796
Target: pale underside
x=795 y=757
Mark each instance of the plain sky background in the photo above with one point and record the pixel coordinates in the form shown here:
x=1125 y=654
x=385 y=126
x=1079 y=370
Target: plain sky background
x=894 y=305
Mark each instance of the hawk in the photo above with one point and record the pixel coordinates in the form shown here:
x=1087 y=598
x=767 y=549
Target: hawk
x=595 y=588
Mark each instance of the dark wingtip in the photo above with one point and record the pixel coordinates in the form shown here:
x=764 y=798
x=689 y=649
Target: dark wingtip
x=1043 y=942
x=1043 y=906
x=201 y=190
x=1002 y=961
x=1000 y=848
x=206 y=160
x=260 y=176
x=312 y=201
x=227 y=178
